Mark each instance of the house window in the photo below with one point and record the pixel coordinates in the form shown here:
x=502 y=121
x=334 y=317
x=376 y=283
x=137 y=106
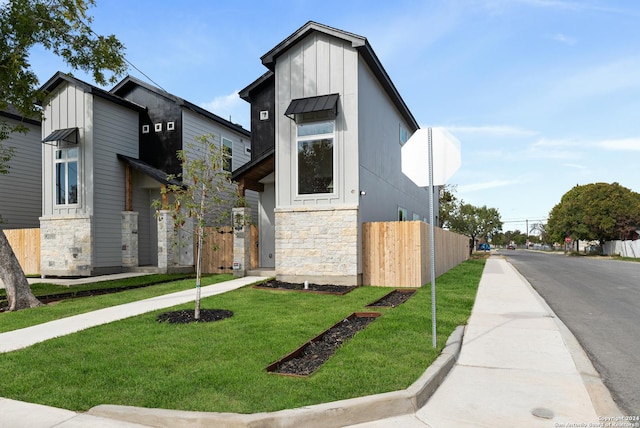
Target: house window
x=227 y=154
x=403 y=135
x=66 y=176
x=402 y=214
x=316 y=157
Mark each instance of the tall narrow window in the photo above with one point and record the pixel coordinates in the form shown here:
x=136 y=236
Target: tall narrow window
x=227 y=154
x=315 y=158
x=66 y=176
x=402 y=214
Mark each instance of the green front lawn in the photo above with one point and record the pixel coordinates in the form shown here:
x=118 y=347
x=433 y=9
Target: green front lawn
x=14 y=320
x=220 y=366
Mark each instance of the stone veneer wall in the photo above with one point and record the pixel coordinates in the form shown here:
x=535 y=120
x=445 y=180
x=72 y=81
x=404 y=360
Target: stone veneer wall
x=66 y=246
x=129 y=227
x=168 y=255
x=318 y=244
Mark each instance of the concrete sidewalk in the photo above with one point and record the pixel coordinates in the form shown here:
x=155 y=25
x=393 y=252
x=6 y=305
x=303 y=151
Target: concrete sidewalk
x=518 y=366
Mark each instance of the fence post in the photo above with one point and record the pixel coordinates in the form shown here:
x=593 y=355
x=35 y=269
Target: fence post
x=241 y=242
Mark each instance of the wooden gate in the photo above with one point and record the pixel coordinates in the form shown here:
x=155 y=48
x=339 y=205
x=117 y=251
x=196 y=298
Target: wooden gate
x=217 y=254
x=217 y=251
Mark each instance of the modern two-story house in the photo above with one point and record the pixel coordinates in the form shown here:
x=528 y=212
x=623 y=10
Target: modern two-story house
x=105 y=158
x=327 y=128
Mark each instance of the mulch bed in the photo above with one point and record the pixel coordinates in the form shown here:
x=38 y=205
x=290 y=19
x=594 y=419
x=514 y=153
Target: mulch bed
x=309 y=357
x=393 y=299
x=312 y=288
x=186 y=316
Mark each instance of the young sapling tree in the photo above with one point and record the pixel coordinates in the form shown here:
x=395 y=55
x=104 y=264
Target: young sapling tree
x=205 y=196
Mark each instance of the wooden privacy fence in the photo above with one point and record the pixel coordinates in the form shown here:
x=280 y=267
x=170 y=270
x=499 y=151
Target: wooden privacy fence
x=26 y=246
x=396 y=254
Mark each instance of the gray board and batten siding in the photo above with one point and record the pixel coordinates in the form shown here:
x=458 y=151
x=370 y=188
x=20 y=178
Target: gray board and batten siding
x=21 y=188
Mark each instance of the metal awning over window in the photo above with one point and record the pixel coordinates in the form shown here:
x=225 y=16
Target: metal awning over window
x=69 y=135
x=323 y=103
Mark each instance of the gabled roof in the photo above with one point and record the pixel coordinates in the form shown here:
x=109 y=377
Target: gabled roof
x=61 y=77
x=130 y=81
x=11 y=112
x=245 y=93
x=361 y=45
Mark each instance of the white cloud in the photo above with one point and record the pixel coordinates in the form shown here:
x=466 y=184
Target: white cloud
x=575 y=166
x=230 y=107
x=563 y=38
x=555 y=149
x=497 y=130
x=602 y=79
x=466 y=188
x=626 y=144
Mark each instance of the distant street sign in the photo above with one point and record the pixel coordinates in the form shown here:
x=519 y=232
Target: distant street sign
x=567 y=239
x=415 y=156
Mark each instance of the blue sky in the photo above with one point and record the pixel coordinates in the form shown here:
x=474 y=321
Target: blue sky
x=542 y=94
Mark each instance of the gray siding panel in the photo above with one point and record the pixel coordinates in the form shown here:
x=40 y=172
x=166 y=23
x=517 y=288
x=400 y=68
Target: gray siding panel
x=115 y=131
x=21 y=189
x=319 y=65
x=66 y=109
x=387 y=188
x=195 y=125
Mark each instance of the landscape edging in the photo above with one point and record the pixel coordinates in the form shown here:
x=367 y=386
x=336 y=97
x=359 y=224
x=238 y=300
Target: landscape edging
x=334 y=414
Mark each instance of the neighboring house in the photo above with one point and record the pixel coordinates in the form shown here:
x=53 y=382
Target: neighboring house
x=106 y=156
x=327 y=128
x=21 y=189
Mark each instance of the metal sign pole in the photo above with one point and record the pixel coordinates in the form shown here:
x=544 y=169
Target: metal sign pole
x=432 y=242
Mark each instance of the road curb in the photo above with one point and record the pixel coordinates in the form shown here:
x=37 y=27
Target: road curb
x=334 y=414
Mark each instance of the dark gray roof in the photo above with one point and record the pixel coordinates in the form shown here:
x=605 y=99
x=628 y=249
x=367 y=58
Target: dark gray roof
x=61 y=77
x=62 y=135
x=150 y=171
x=130 y=80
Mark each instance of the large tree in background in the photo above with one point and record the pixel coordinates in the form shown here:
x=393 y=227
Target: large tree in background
x=475 y=222
x=595 y=212
x=62 y=27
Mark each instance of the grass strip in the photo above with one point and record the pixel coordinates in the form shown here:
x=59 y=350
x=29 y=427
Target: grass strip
x=47 y=289
x=220 y=366
x=20 y=319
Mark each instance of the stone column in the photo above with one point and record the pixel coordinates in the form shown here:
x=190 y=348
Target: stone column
x=241 y=242
x=129 y=227
x=166 y=241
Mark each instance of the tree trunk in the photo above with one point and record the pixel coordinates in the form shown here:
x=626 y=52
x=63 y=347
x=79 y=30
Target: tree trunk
x=19 y=293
